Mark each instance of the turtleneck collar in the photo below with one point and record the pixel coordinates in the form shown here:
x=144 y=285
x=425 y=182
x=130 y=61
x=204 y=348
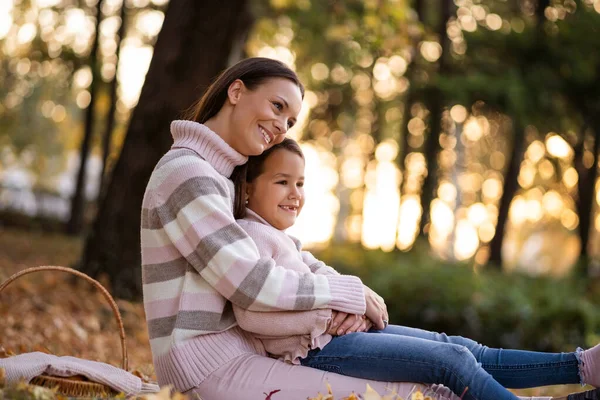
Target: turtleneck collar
x=252 y=216
x=210 y=146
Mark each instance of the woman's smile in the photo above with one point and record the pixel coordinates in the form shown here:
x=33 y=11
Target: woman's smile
x=267 y=135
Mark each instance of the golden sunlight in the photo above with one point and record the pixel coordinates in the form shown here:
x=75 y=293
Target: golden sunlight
x=408 y=221
x=535 y=151
x=382 y=200
x=316 y=222
x=133 y=66
x=6 y=19
x=558 y=147
x=466 y=240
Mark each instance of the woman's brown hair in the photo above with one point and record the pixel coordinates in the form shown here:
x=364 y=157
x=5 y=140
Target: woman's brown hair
x=247 y=173
x=252 y=71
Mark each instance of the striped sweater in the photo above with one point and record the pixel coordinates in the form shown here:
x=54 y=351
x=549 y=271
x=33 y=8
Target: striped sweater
x=289 y=335
x=197 y=262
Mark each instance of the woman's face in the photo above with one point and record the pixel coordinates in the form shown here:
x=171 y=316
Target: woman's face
x=261 y=117
x=277 y=194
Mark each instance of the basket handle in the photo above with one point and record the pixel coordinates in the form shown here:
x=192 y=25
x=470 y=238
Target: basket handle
x=101 y=288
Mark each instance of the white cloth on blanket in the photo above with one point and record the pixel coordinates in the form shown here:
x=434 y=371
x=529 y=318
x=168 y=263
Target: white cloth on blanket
x=29 y=365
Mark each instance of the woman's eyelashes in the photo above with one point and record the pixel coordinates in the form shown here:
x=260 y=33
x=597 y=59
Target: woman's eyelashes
x=279 y=107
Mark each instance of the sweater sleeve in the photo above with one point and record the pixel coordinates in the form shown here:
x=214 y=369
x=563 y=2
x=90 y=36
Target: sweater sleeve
x=197 y=219
x=317 y=266
x=281 y=323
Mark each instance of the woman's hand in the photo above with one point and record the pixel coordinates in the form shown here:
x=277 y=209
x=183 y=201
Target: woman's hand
x=343 y=323
x=376 y=309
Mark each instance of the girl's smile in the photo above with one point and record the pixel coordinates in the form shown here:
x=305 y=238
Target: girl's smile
x=277 y=194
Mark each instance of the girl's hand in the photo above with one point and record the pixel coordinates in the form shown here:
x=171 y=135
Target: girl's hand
x=362 y=324
x=343 y=323
x=376 y=309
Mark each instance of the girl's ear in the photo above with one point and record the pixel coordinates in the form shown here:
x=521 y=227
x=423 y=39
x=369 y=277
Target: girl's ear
x=235 y=90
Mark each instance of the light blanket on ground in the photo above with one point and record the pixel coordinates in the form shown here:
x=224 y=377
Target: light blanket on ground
x=29 y=365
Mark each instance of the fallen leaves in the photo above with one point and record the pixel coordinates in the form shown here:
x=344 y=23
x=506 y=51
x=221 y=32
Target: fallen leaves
x=56 y=313
x=370 y=394
x=166 y=393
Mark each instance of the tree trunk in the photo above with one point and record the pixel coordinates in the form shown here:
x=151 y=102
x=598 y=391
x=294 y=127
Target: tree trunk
x=509 y=189
x=409 y=100
x=110 y=117
x=194 y=45
x=511 y=184
x=432 y=149
x=403 y=142
x=586 y=186
x=435 y=103
x=75 y=223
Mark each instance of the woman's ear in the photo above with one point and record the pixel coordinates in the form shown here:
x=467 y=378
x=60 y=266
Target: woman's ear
x=235 y=90
x=249 y=190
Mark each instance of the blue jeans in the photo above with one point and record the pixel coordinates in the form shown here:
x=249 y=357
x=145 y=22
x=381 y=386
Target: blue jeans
x=402 y=354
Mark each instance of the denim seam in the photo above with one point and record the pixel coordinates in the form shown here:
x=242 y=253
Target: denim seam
x=528 y=366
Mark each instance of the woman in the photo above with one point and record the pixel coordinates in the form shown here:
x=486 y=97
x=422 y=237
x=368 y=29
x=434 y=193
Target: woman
x=196 y=261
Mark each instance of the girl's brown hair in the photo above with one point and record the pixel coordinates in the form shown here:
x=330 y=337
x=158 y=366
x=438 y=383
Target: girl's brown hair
x=247 y=173
x=252 y=71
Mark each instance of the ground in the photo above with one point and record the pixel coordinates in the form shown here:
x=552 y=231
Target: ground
x=55 y=313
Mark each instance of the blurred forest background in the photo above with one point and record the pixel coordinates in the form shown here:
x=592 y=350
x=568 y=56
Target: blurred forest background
x=452 y=146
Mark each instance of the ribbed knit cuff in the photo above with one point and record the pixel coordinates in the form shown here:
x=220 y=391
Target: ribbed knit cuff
x=186 y=365
x=347 y=294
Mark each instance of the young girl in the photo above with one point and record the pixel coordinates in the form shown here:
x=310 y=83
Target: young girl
x=273 y=195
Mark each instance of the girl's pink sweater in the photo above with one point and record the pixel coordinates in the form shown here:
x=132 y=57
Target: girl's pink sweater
x=289 y=335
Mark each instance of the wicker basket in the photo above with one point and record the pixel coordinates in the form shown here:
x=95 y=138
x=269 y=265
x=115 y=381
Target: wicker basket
x=78 y=386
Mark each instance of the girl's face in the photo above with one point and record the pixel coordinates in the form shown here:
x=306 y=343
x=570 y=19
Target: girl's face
x=277 y=194
x=261 y=117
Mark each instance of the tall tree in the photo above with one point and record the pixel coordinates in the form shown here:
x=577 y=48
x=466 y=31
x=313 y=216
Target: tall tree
x=586 y=188
x=112 y=96
x=75 y=223
x=410 y=97
x=511 y=184
x=435 y=103
x=197 y=41
x=509 y=190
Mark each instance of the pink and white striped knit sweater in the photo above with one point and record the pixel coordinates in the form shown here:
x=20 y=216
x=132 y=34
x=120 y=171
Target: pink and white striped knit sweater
x=289 y=335
x=197 y=261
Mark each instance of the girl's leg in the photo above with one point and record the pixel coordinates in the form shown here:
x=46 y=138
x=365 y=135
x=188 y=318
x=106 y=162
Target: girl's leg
x=511 y=368
x=253 y=377
x=399 y=358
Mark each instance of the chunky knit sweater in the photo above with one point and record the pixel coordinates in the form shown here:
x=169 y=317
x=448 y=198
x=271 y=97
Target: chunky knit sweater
x=289 y=335
x=197 y=262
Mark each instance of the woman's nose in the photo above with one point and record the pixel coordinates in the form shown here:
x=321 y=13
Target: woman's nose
x=282 y=126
